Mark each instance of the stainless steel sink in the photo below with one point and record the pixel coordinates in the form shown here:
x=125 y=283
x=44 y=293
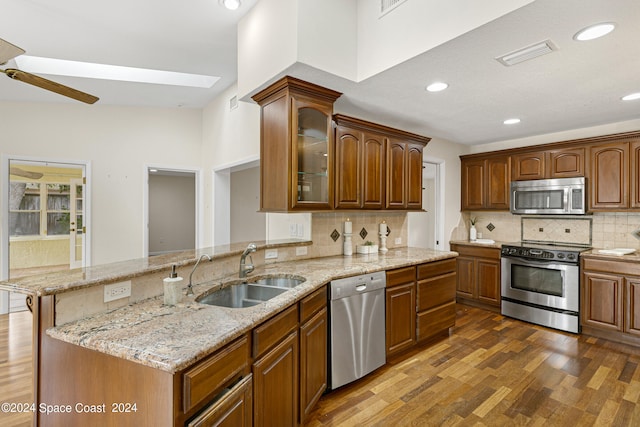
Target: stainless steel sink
x=241 y=295
x=280 y=282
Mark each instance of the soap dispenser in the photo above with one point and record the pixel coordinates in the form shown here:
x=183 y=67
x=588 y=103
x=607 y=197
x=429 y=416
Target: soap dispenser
x=172 y=287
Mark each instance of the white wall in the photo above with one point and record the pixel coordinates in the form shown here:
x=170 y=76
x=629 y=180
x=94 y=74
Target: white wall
x=418 y=26
x=118 y=141
x=267 y=42
x=247 y=224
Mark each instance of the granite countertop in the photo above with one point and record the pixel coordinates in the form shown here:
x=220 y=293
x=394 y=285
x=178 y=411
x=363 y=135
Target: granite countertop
x=595 y=253
x=173 y=338
x=79 y=278
x=495 y=244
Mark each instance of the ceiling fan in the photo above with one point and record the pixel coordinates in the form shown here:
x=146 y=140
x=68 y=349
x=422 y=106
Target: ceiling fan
x=9 y=51
x=24 y=173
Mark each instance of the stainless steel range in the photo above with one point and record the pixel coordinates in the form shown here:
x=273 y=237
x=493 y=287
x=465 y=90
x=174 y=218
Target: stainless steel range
x=541 y=284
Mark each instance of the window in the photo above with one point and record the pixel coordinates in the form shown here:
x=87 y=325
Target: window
x=43 y=209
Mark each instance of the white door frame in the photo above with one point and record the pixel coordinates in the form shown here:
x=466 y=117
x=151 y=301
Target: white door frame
x=4 y=213
x=416 y=219
x=199 y=209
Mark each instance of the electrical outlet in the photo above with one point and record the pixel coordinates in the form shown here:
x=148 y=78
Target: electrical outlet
x=271 y=254
x=398 y=241
x=293 y=230
x=300 y=230
x=117 y=290
x=301 y=250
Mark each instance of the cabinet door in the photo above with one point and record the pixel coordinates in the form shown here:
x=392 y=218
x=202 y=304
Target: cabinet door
x=414 y=176
x=311 y=171
x=401 y=318
x=566 y=163
x=348 y=168
x=498 y=182
x=373 y=190
x=528 y=166
x=465 y=277
x=275 y=377
x=473 y=184
x=488 y=281
x=609 y=176
x=632 y=309
x=233 y=410
x=313 y=362
x=602 y=301
x=635 y=174
x=396 y=174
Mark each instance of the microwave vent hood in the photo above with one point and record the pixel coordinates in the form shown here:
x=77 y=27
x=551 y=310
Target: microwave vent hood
x=562 y=196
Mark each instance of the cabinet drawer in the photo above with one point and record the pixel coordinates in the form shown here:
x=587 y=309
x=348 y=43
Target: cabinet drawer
x=434 y=321
x=313 y=303
x=436 y=291
x=609 y=266
x=476 y=251
x=436 y=268
x=233 y=409
x=213 y=374
x=401 y=276
x=274 y=330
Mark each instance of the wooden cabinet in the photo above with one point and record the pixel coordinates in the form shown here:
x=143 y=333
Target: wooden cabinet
x=360 y=166
x=420 y=304
x=485 y=183
x=377 y=167
x=609 y=176
x=634 y=154
x=610 y=299
x=296 y=146
x=478 y=275
x=313 y=350
x=558 y=163
x=234 y=409
x=275 y=370
x=435 y=298
x=400 y=310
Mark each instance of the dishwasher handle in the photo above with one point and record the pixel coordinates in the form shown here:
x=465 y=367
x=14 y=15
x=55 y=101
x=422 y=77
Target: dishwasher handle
x=361 y=288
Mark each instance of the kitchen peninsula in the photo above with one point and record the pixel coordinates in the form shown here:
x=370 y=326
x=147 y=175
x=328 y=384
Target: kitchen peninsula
x=156 y=365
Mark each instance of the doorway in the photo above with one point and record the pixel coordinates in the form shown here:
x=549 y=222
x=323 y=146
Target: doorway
x=426 y=229
x=172 y=215
x=44 y=226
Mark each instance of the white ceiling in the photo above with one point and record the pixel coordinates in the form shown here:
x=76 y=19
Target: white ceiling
x=577 y=86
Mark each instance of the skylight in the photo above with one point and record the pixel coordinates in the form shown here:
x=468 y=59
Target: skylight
x=61 y=67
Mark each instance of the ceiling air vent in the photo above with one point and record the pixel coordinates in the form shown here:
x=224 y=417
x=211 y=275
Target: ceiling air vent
x=387 y=6
x=526 y=53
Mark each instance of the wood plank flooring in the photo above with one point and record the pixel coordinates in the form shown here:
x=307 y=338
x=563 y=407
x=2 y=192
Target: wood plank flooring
x=495 y=371
x=15 y=366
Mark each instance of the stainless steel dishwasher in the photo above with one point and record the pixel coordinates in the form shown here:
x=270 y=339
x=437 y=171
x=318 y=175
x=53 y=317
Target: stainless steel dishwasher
x=357 y=327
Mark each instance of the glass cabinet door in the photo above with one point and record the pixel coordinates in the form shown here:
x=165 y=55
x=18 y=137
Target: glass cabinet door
x=313 y=174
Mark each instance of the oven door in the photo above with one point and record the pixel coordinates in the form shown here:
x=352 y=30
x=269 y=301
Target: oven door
x=543 y=283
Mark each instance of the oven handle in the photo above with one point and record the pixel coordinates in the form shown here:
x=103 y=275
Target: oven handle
x=532 y=263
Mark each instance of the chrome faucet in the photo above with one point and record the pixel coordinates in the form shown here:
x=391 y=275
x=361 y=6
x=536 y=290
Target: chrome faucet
x=190 y=285
x=247 y=268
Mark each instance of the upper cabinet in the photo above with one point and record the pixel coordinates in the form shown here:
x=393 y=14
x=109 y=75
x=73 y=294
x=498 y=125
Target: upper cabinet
x=296 y=146
x=559 y=163
x=377 y=167
x=485 y=183
x=609 y=173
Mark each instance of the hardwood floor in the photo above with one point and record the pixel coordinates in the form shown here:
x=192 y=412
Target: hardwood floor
x=15 y=366
x=495 y=371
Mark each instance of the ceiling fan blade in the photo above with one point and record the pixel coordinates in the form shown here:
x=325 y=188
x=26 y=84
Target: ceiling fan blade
x=8 y=51
x=43 y=83
x=25 y=174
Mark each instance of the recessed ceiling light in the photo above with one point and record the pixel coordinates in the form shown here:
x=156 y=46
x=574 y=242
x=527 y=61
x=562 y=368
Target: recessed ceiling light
x=437 y=86
x=631 y=96
x=60 y=67
x=594 y=31
x=231 y=4
x=511 y=121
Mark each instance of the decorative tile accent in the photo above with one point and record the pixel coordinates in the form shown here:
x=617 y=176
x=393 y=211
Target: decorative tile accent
x=335 y=235
x=491 y=227
x=636 y=233
x=388 y=230
x=363 y=233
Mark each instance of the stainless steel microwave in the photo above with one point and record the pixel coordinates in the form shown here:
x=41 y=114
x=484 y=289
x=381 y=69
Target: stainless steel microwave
x=562 y=196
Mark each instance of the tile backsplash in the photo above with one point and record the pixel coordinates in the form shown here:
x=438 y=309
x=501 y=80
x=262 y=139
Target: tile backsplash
x=599 y=230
